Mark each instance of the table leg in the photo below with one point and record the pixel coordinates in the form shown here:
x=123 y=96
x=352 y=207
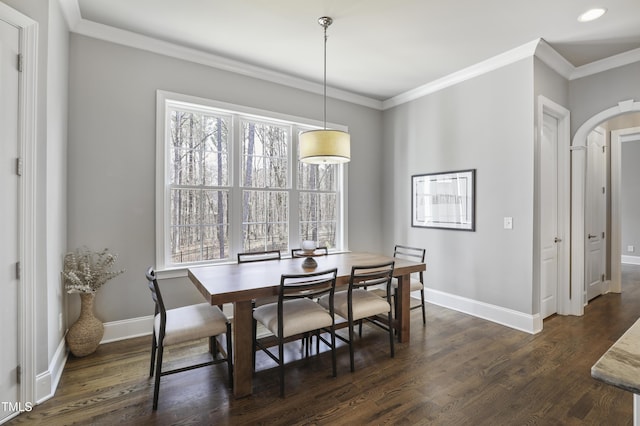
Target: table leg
x=404 y=307
x=242 y=348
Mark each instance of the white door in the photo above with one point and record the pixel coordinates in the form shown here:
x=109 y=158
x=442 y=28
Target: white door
x=549 y=216
x=9 y=254
x=596 y=214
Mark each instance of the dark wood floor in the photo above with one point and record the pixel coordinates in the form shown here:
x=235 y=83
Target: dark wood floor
x=459 y=370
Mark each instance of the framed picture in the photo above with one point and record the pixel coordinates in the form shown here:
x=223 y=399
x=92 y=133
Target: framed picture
x=444 y=200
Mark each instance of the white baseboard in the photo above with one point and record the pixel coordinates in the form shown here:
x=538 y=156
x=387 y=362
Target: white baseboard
x=47 y=382
x=508 y=317
x=127 y=329
x=631 y=260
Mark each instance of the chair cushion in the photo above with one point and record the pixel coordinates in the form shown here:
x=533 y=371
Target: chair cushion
x=414 y=286
x=299 y=316
x=191 y=323
x=365 y=304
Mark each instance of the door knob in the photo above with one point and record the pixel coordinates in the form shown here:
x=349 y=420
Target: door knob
x=590 y=236
x=557 y=240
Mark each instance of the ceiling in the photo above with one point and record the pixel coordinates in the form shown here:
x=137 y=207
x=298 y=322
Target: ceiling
x=377 y=49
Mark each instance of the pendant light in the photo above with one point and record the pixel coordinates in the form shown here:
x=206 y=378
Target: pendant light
x=325 y=146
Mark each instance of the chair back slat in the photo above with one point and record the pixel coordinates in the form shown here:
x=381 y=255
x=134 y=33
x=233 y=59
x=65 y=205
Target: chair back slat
x=370 y=275
x=315 y=284
x=409 y=253
x=259 y=256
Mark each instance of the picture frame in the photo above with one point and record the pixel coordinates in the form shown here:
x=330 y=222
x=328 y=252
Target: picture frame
x=444 y=200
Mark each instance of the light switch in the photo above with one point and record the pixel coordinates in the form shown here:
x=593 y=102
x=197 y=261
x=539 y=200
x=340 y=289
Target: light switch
x=630 y=249
x=508 y=223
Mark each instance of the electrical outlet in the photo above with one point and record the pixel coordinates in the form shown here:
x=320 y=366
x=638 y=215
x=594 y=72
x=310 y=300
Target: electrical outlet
x=631 y=249
x=508 y=223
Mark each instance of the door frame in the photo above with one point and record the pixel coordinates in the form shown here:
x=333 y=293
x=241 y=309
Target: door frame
x=27 y=134
x=617 y=138
x=578 y=205
x=604 y=283
x=563 y=115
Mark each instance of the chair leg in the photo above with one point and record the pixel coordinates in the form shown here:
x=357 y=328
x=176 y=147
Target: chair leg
x=333 y=351
x=255 y=346
x=281 y=365
x=391 y=347
x=230 y=356
x=424 y=309
x=156 y=387
x=351 y=346
x=153 y=354
x=213 y=347
x=395 y=302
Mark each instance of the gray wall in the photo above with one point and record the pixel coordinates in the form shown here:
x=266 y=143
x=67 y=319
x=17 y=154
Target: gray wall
x=486 y=124
x=596 y=93
x=630 y=197
x=112 y=158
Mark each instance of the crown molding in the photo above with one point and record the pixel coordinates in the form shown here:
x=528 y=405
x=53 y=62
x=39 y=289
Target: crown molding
x=71 y=12
x=538 y=48
x=491 y=64
x=554 y=60
x=606 y=64
x=99 y=31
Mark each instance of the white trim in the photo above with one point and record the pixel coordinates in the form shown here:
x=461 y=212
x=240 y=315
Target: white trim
x=92 y=29
x=27 y=203
x=491 y=64
x=508 y=317
x=127 y=329
x=537 y=47
x=606 y=64
x=630 y=260
x=617 y=138
x=578 y=163
x=47 y=382
x=554 y=60
x=563 y=115
x=165 y=101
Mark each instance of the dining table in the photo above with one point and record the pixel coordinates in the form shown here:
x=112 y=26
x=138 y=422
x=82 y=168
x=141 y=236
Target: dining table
x=241 y=283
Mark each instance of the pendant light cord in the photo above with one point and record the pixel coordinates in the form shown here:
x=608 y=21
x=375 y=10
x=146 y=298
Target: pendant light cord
x=325 y=25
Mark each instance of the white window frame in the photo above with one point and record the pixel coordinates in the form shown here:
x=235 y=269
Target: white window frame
x=164 y=101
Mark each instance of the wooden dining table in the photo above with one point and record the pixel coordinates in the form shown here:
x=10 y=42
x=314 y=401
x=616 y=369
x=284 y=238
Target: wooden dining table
x=241 y=283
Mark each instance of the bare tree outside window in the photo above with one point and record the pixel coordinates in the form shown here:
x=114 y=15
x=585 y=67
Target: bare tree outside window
x=232 y=183
x=318 y=210
x=198 y=182
x=265 y=171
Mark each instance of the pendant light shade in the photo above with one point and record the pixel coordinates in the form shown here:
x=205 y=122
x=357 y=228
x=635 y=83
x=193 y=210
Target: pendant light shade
x=325 y=146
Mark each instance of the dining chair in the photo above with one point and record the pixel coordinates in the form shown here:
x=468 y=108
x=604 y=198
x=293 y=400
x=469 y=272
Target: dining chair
x=358 y=304
x=259 y=256
x=188 y=323
x=295 y=314
x=416 y=283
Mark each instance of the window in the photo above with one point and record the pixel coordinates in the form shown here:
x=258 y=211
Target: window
x=229 y=181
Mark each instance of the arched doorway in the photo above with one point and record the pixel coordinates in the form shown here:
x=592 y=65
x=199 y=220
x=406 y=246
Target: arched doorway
x=578 y=205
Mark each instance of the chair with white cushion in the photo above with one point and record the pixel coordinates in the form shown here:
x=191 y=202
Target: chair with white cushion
x=358 y=304
x=295 y=314
x=188 y=323
x=417 y=282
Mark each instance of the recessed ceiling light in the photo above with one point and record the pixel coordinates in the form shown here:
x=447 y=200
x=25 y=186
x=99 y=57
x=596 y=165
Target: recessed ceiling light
x=592 y=14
